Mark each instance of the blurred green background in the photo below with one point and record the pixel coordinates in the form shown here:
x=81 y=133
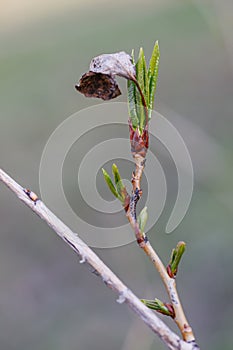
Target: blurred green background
x=47 y=299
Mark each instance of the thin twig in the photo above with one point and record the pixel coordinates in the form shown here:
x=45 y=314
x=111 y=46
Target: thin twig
x=144 y=243
x=87 y=255
x=170 y=285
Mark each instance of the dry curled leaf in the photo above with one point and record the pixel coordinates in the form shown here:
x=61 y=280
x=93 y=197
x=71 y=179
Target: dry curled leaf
x=98 y=85
x=100 y=82
x=119 y=63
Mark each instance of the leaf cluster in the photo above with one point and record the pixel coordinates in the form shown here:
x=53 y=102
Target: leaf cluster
x=147 y=80
x=119 y=189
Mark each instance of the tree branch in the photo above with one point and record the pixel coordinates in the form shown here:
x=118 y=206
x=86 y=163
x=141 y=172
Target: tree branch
x=125 y=295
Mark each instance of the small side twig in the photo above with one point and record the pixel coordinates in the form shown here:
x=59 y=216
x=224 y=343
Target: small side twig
x=87 y=255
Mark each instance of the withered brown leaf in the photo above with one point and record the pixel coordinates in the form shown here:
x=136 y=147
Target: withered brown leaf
x=100 y=80
x=119 y=63
x=98 y=85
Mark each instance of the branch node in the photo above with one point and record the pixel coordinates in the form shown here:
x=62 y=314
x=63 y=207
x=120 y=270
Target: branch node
x=122 y=296
x=83 y=260
x=33 y=196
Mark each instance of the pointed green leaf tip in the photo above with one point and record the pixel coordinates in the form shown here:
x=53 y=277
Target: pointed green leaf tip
x=142 y=219
x=153 y=75
x=115 y=171
x=141 y=76
x=109 y=183
x=176 y=256
x=120 y=187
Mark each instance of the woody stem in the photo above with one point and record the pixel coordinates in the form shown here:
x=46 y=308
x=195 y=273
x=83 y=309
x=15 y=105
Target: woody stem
x=143 y=242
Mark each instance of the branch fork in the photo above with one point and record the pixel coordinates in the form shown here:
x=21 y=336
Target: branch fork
x=87 y=256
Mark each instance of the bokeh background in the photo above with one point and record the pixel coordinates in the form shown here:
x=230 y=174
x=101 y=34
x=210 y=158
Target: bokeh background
x=47 y=299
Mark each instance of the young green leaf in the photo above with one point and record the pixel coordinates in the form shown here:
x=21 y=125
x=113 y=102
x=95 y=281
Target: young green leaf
x=132 y=103
x=141 y=72
x=142 y=219
x=131 y=89
x=120 y=187
x=142 y=78
x=176 y=256
x=153 y=75
x=121 y=190
x=115 y=171
x=132 y=57
x=109 y=183
x=159 y=306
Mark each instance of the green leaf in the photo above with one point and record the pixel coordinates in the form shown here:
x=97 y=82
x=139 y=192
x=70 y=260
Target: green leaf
x=132 y=103
x=131 y=88
x=142 y=219
x=109 y=183
x=120 y=187
x=115 y=171
x=153 y=75
x=141 y=73
x=132 y=57
x=142 y=78
x=121 y=190
x=176 y=256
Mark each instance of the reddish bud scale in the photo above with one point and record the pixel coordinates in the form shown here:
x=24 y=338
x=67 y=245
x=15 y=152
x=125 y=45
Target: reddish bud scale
x=170 y=309
x=139 y=142
x=140 y=240
x=169 y=271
